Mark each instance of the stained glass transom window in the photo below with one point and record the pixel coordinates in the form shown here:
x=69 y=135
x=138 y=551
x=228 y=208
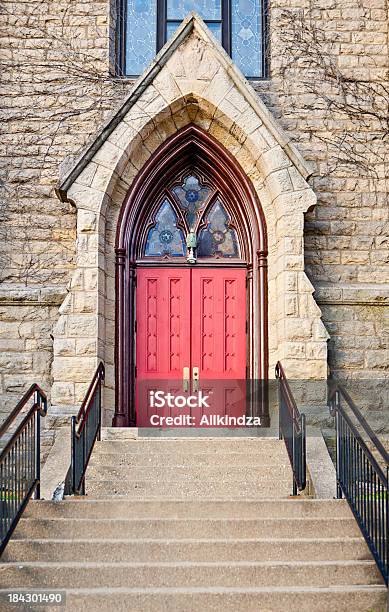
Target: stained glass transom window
x=217 y=238
x=191 y=196
x=165 y=238
x=238 y=24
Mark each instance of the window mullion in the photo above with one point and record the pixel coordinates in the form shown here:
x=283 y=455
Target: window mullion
x=161 y=24
x=226 y=25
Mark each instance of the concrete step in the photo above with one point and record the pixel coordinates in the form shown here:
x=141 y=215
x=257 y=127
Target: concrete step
x=191 y=489
x=184 y=574
x=151 y=459
x=119 y=433
x=254 y=599
x=157 y=550
x=77 y=528
x=173 y=473
x=175 y=508
x=260 y=446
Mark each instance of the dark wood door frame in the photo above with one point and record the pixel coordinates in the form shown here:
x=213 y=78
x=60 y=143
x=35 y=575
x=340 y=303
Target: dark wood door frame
x=189 y=147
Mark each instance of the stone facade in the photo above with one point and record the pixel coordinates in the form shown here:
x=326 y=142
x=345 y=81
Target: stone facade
x=57 y=91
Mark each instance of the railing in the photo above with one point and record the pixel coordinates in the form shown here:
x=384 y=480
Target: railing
x=86 y=429
x=360 y=478
x=292 y=431
x=20 y=461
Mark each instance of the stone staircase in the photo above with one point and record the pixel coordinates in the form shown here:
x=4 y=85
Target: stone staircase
x=193 y=524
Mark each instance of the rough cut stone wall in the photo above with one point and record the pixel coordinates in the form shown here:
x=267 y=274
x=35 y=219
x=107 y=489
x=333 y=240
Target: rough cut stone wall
x=56 y=90
x=347 y=234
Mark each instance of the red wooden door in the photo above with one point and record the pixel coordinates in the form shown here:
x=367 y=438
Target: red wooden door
x=191 y=318
x=162 y=338
x=219 y=340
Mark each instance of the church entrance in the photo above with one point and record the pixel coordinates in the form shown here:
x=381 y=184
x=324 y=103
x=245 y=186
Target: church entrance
x=191 y=289
x=190 y=343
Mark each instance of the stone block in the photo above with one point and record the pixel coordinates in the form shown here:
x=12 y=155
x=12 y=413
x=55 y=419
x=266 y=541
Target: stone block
x=298 y=329
x=291 y=305
x=82 y=326
x=86 y=346
x=74 y=369
x=377 y=360
x=62 y=393
x=85 y=301
x=15 y=362
x=64 y=346
x=273 y=159
x=316 y=350
x=86 y=220
x=295 y=350
x=109 y=155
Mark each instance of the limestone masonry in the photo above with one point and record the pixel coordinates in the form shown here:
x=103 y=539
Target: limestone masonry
x=313 y=139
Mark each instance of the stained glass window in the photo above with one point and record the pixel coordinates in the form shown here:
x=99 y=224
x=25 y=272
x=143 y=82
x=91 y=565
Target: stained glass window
x=207 y=9
x=140 y=34
x=165 y=238
x=246 y=35
x=216 y=29
x=238 y=24
x=217 y=238
x=191 y=196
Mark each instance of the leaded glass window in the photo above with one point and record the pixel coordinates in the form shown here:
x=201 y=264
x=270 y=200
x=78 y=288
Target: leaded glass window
x=217 y=238
x=246 y=22
x=239 y=25
x=165 y=238
x=140 y=34
x=209 y=10
x=191 y=196
x=191 y=221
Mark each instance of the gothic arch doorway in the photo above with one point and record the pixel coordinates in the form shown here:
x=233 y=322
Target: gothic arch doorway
x=191 y=221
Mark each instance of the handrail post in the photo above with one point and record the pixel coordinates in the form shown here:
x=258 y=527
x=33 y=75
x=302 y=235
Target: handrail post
x=294 y=461
x=84 y=438
x=73 y=454
x=38 y=455
x=279 y=405
x=99 y=415
x=336 y=404
x=387 y=526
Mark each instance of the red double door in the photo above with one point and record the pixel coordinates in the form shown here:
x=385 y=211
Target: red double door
x=190 y=342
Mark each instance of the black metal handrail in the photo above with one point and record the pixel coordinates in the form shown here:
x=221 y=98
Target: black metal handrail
x=292 y=430
x=86 y=429
x=360 y=477
x=20 y=461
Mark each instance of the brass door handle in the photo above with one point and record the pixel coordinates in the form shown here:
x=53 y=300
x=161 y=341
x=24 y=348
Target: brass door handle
x=195 y=378
x=185 y=379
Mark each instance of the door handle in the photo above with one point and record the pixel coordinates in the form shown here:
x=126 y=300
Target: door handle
x=185 y=379
x=195 y=378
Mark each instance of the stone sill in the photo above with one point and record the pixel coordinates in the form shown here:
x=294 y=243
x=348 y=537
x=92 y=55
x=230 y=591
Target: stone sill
x=11 y=295
x=352 y=294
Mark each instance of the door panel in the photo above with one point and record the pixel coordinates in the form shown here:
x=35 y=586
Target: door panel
x=219 y=322
x=219 y=338
x=163 y=336
x=194 y=318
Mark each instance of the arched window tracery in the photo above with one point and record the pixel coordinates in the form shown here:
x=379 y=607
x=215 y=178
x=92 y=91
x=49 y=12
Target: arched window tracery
x=191 y=212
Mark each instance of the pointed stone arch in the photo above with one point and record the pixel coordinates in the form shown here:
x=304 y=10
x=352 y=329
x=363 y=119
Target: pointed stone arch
x=190 y=146
x=192 y=82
